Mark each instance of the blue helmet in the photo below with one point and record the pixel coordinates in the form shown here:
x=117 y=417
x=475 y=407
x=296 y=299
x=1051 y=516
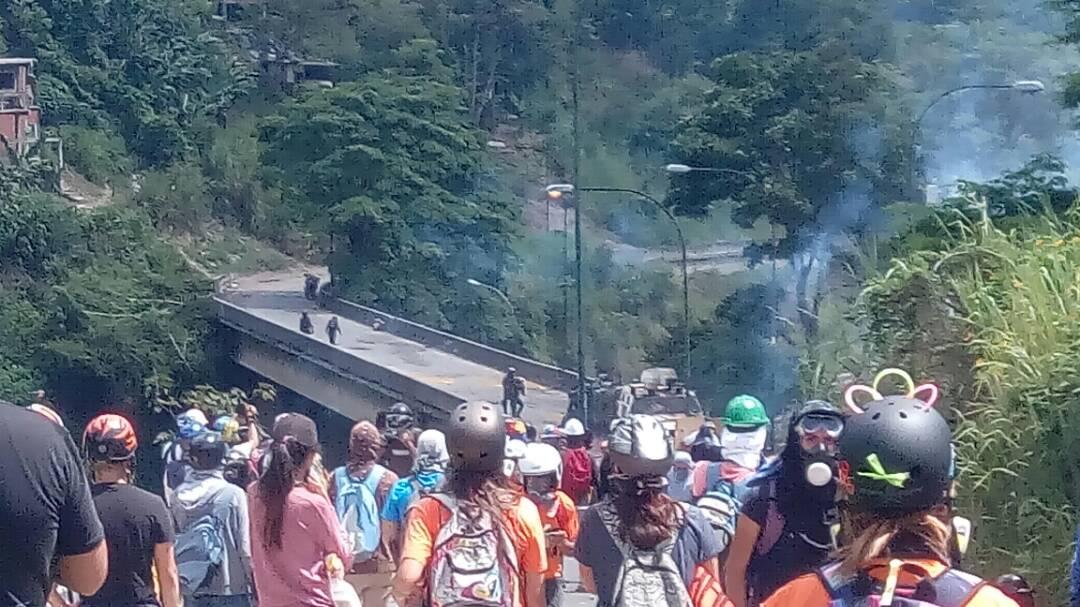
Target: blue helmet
x=190 y=424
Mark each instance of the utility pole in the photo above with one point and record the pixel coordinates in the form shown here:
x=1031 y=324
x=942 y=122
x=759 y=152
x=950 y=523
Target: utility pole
x=576 y=85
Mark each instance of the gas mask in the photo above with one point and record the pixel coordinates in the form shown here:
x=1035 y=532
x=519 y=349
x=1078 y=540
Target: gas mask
x=541 y=488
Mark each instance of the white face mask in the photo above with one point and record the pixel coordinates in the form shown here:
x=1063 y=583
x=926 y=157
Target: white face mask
x=744 y=448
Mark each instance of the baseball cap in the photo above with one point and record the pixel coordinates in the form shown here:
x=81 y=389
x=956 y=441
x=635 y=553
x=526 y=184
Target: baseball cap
x=300 y=427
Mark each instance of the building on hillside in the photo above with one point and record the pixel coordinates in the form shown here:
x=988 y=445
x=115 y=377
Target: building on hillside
x=20 y=116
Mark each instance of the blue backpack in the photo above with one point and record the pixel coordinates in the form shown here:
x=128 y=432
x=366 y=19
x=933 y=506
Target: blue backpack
x=200 y=550
x=951 y=588
x=358 y=511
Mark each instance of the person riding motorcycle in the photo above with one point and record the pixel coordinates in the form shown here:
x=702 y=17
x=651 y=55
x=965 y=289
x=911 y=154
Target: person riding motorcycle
x=895 y=473
x=785 y=526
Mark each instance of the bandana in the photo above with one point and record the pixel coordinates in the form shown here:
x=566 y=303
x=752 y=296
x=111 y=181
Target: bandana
x=744 y=448
x=431 y=454
x=365 y=447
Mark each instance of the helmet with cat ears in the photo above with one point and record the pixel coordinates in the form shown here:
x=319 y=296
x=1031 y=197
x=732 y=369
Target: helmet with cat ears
x=926 y=393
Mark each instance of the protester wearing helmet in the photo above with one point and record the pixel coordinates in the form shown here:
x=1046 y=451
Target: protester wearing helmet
x=189 y=424
x=577 y=479
x=399 y=433
x=638 y=521
x=138 y=526
x=213 y=543
x=733 y=457
x=785 y=526
x=477 y=494
x=512 y=455
x=895 y=474
x=541 y=469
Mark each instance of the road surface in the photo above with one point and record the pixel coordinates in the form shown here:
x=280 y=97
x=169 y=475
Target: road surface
x=277 y=297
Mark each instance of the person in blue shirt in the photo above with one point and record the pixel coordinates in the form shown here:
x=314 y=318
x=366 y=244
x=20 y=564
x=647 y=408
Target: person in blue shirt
x=428 y=475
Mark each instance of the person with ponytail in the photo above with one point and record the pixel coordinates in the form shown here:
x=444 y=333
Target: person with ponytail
x=895 y=468
x=294 y=529
x=477 y=516
x=638 y=522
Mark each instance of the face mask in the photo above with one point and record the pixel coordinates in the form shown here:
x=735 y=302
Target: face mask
x=744 y=448
x=541 y=488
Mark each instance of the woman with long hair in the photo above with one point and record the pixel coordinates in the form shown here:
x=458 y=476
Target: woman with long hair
x=638 y=520
x=294 y=528
x=506 y=537
x=895 y=477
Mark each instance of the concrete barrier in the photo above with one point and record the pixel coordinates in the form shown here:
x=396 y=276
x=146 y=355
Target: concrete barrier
x=309 y=347
x=534 y=371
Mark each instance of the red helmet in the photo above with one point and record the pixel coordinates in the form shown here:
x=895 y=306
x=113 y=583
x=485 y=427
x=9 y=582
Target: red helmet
x=110 y=438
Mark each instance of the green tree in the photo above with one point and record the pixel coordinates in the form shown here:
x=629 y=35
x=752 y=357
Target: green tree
x=388 y=166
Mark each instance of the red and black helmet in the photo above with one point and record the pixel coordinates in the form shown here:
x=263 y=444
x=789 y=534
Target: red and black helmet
x=110 y=438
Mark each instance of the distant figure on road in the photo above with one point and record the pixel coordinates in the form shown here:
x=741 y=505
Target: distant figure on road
x=311 y=287
x=513 y=391
x=306 y=326
x=333 y=330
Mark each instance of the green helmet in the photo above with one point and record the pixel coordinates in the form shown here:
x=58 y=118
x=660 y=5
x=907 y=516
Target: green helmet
x=745 y=411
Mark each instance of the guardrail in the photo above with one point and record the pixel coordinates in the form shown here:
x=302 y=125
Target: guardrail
x=348 y=364
x=537 y=372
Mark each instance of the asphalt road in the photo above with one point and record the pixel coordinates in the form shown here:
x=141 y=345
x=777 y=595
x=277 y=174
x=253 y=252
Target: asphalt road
x=272 y=297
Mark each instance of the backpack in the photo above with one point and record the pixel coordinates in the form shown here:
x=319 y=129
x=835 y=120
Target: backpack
x=200 y=551
x=951 y=588
x=473 y=562
x=721 y=508
x=577 y=474
x=647 y=578
x=358 y=511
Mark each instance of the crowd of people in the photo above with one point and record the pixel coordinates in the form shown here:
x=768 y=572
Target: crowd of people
x=855 y=510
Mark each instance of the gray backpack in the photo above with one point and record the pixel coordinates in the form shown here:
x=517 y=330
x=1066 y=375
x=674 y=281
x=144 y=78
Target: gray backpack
x=647 y=578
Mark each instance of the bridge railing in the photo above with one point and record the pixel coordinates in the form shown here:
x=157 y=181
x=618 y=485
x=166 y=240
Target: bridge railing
x=546 y=375
x=304 y=345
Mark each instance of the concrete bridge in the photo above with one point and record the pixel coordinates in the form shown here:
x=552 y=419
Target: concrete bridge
x=370 y=369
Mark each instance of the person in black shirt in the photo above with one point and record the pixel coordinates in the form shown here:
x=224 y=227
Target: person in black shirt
x=137 y=524
x=49 y=529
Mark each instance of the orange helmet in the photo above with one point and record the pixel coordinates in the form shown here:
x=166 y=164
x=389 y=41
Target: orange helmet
x=110 y=438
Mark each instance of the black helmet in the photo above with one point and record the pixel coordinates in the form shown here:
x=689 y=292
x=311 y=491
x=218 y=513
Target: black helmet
x=399 y=416
x=640 y=446
x=897 y=457
x=207 y=451
x=476 y=437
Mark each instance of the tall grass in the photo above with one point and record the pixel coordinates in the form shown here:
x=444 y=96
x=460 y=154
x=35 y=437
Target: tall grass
x=1006 y=304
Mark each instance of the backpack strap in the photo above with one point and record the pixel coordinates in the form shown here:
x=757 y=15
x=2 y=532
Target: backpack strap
x=773 y=528
x=951 y=588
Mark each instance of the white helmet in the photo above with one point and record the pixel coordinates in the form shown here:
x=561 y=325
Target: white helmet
x=573 y=427
x=541 y=459
x=515 y=449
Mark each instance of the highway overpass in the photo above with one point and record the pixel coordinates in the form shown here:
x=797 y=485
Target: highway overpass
x=370 y=368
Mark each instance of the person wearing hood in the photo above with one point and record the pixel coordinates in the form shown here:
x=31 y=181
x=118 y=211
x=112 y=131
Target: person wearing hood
x=735 y=455
x=372 y=576
x=680 y=478
x=428 y=476
x=785 y=527
x=206 y=506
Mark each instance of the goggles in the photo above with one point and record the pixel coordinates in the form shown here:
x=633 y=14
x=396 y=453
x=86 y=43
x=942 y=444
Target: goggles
x=828 y=425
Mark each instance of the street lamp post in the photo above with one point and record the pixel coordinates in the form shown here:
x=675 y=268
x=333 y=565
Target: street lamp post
x=1027 y=87
x=558 y=190
x=476 y=283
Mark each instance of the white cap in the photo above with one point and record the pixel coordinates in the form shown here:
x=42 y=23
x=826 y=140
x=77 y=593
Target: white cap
x=196 y=416
x=573 y=427
x=515 y=449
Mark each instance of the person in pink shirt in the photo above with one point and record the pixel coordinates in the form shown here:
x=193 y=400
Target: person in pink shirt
x=293 y=524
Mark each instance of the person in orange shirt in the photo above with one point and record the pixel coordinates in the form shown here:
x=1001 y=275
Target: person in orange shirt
x=895 y=474
x=507 y=555
x=541 y=469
